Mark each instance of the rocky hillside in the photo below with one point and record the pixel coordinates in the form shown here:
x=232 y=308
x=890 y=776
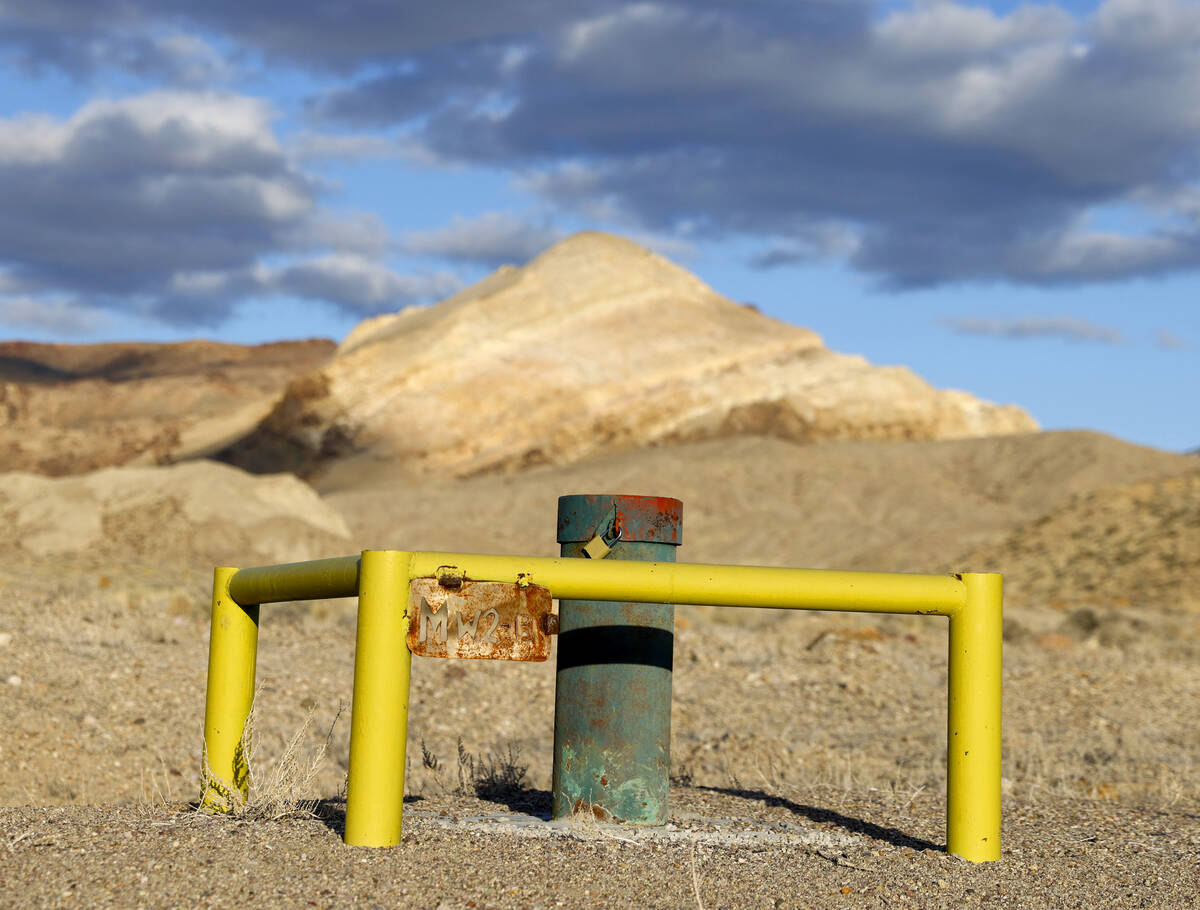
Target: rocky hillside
x=66 y=409
x=1128 y=545
x=595 y=346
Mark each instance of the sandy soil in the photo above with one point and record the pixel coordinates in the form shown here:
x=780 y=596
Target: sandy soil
x=807 y=749
x=812 y=848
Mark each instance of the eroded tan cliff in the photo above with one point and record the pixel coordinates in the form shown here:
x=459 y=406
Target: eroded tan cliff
x=596 y=345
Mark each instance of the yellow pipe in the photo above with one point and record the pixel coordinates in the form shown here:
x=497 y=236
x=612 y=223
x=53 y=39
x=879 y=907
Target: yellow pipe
x=732 y=586
x=312 y=580
x=973 y=750
x=624 y=580
x=232 y=654
x=379 y=712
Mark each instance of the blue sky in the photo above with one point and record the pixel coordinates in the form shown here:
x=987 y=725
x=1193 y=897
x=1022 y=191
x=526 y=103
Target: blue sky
x=1004 y=197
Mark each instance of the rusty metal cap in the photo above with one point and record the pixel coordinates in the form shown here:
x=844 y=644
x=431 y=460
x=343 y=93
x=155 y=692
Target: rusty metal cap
x=650 y=519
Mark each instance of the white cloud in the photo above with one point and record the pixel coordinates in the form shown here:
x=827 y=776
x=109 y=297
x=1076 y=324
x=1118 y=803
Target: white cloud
x=57 y=315
x=172 y=129
x=169 y=204
x=1097 y=254
x=957 y=142
x=944 y=28
x=960 y=142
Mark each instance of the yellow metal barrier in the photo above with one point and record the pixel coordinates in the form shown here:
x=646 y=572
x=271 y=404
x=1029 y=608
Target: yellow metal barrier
x=379 y=712
x=232 y=656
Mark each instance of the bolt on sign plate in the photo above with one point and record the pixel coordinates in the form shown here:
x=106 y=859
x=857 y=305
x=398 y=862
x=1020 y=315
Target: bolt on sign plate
x=479 y=619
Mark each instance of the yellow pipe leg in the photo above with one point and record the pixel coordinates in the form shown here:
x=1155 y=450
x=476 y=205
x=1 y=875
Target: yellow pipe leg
x=973 y=753
x=379 y=713
x=232 y=656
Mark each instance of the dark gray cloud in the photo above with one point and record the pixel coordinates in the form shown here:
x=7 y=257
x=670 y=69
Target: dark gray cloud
x=358 y=283
x=82 y=39
x=175 y=205
x=492 y=239
x=337 y=35
x=126 y=196
x=1063 y=327
x=416 y=86
x=925 y=144
x=932 y=144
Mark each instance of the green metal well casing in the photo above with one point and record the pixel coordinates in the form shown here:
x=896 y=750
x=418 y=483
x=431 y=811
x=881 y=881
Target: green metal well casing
x=612 y=705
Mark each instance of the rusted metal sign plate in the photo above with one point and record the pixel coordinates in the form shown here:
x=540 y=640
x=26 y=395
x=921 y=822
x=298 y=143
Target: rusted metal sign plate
x=479 y=619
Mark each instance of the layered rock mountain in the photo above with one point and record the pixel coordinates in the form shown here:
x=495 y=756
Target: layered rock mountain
x=596 y=345
x=67 y=409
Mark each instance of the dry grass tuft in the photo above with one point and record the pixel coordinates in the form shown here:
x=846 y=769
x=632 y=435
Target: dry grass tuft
x=283 y=789
x=489 y=777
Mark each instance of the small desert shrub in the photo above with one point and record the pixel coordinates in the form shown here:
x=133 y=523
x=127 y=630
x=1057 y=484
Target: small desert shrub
x=497 y=774
x=283 y=788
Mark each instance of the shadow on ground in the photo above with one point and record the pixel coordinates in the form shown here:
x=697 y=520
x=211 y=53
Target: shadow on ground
x=537 y=803
x=893 y=836
x=332 y=812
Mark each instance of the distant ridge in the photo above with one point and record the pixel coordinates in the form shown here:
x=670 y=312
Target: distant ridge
x=73 y=408
x=597 y=345
x=1138 y=543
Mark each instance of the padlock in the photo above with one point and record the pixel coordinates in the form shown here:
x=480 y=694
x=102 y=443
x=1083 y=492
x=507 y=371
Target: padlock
x=608 y=532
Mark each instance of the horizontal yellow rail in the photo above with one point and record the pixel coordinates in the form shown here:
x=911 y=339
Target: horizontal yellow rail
x=379 y=715
x=637 y=582
x=314 y=580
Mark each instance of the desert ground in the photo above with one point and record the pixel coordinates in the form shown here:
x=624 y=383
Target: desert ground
x=807 y=749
